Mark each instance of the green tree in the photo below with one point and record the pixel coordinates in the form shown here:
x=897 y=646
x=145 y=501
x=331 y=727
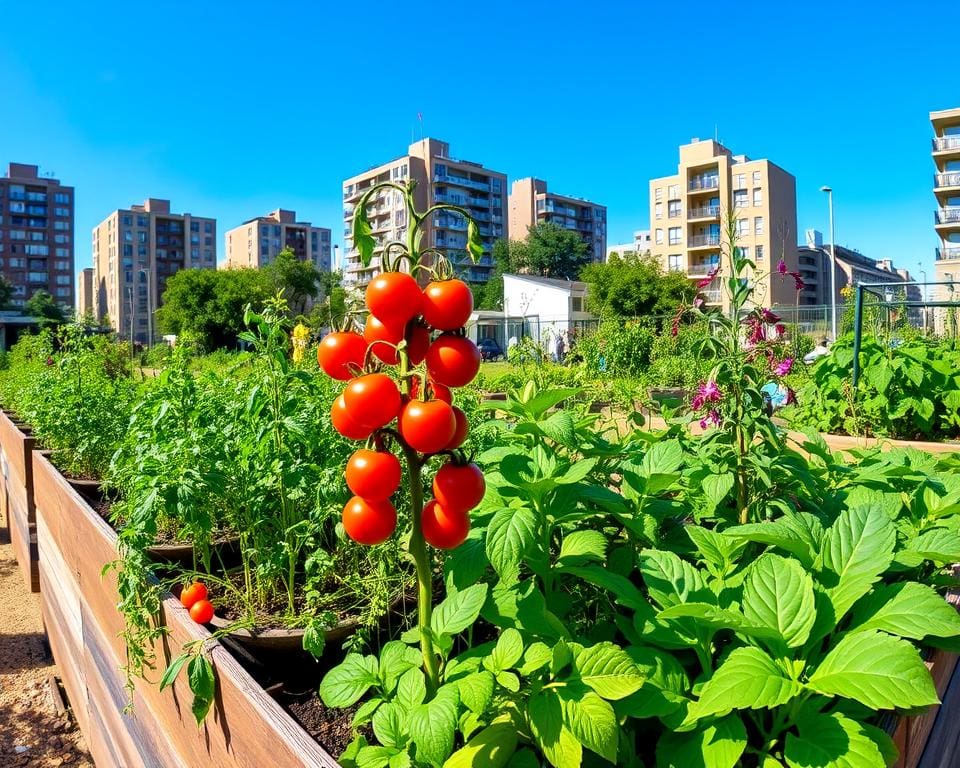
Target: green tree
x=6 y=292
x=634 y=286
x=489 y=295
x=299 y=280
x=42 y=306
x=332 y=305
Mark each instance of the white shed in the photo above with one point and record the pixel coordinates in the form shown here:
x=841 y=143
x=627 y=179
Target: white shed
x=550 y=306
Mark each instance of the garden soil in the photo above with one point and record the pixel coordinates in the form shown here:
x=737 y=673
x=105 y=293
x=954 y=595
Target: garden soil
x=32 y=733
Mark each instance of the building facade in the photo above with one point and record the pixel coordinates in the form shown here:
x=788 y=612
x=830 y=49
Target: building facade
x=36 y=235
x=946 y=189
x=639 y=246
x=85 y=293
x=256 y=242
x=135 y=252
x=531 y=204
x=550 y=308
x=439 y=179
x=688 y=211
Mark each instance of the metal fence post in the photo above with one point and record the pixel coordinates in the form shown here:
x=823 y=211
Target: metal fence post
x=857 y=332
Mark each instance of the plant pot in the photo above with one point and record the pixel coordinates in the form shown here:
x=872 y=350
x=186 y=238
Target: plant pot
x=226 y=552
x=597 y=406
x=280 y=641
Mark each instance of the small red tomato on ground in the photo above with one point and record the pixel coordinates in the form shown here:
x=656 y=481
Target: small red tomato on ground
x=373 y=475
x=344 y=424
x=463 y=429
x=453 y=360
x=384 y=339
x=372 y=400
x=192 y=593
x=394 y=298
x=202 y=611
x=459 y=487
x=340 y=354
x=443 y=529
x=447 y=304
x=369 y=522
x=418 y=342
x=427 y=425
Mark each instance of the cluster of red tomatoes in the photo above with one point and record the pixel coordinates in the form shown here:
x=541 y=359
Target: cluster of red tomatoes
x=403 y=319
x=194 y=597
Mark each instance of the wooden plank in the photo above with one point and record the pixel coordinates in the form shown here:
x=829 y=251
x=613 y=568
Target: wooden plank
x=18 y=448
x=23 y=537
x=943 y=744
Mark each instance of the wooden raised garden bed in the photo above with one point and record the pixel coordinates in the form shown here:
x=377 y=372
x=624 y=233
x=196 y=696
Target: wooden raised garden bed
x=245 y=728
x=16 y=448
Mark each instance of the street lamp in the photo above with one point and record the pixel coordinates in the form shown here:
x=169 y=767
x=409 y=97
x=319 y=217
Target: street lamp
x=149 y=307
x=833 y=269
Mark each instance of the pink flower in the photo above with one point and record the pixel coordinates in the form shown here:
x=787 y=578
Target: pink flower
x=798 y=281
x=783 y=367
x=697 y=303
x=780 y=329
x=712 y=419
x=768 y=316
x=782 y=267
x=791 y=396
x=709 y=278
x=755 y=333
x=697 y=402
x=709 y=391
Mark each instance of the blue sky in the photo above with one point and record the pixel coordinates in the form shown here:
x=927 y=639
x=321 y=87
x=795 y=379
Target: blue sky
x=232 y=109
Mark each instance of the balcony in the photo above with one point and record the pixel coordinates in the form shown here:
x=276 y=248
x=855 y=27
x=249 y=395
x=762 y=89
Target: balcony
x=461 y=181
x=703 y=241
x=948 y=215
x=699 y=183
x=702 y=269
x=945 y=254
x=705 y=212
x=451 y=222
x=452 y=199
x=946 y=143
x=712 y=297
x=942 y=180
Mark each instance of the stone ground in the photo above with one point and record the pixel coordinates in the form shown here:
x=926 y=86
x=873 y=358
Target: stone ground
x=31 y=732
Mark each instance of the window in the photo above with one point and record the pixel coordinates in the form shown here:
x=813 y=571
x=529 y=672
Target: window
x=16 y=263
x=576 y=303
x=757 y=197
x=36 y=250
x=673 y=262
x=37 y=237
x=208 y=227
x=195 y=239
x=61 y=225
x=37 y=277
x=141 y=237
x=740 y=181
x=61 y=266
x=128 y=221
x=194 y=226
x=62 y=252
x=143 y=221
x=658 y=236
x=673 y=190
x=658 y=210
x=743 y=227
x=60 y=197
x=63 y=279
x=17 y=234
x=674 y=235
x=673 y=209
x=208 y=255
x=758 y=225
x=759 y=251
x=195 y=254
x=440 y=169
x=17 y=207
x=658 y=193
x=756 y=177
x=61 y=239
x=62 y=292
x=62 y=211
x=128 y=236
x=740 y=198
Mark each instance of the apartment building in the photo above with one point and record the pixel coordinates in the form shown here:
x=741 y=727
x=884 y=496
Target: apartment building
x=639 y=246
x=946 y=189
x=36 y=235
x=85 y=293
x=135 y=251
x=531 y=204
x=439 y=178
x=256 y=242
x=688 y=211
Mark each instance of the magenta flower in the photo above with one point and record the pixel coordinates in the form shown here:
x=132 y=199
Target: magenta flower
x=755 y=333
x=769 y=317
x=709 y=278
x=791 y=397
x=697 y=303
x=712 y=419
x=783 y=367
x=798 y=281
x=782 y=267
x=709 y=391
x=697 y=402
x=780 y=329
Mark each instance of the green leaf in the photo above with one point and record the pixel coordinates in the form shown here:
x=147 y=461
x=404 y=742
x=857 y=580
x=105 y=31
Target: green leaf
x=559 y=427
x=670 y=580
x=433 y=726
x=576 y=472
x=715 y=547
x=525 y=758
x=543 y=401
x=908 y=610
x=940 y=545
x=583 y=545
x=607 y=669
x=537 y=656
x=591 y=720
x=857 y=549
x=799 y=534
x=412 y=689
x=555 y=740
x=507 y=652
x=717 y=487
x=620 y=587
x=664 y=457
x=717 y=745
x=492 y=748
x=509 y=681
x=343 y=685
x=459 y=610
x=374 y=757
x=831 y=741
x=511 y=532
x=389 y=726
x=395 y=659
x=362 y=232
x=778 y=594
x=877 y=670
x=314 y=639
x=474 y=241
x=748 y=679
x=171 y=672
x=365 y=711
x=203 y=684
x=476 y=691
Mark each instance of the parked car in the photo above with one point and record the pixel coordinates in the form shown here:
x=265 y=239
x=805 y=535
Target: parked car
x=490 y=349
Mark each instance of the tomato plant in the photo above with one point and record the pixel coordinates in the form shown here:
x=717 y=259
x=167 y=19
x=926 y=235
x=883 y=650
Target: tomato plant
x=372 y=400
x=192 y=594
x=462 y=429
x=453 y=360
x=382 y=340
x=340 y=354
x=447 y=304
x=442 y=528
x=394 y=298
x=373 y=475
x=201 y=611
x=459 y=487
x=344 y=422
x=427 y=426
x=368 y=521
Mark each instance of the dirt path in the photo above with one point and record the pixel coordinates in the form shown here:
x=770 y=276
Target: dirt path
x=31 y=732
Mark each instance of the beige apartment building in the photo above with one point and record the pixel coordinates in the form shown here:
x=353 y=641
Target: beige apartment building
x=440 y=179
x=688 y=212
x=532 y=204
x=36 y=235
x=85 y=293
x=256 y=242
x=946 y=188
x=135 y=252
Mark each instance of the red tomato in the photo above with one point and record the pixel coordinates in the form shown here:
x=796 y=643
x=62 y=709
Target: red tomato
x=192 y=593
x=202 y=611
x=427 y=426
x=373 y=475
x=447 y=304
x=418 y=342
x=459 y=488
x=372 y=400
x=438 y=391
x=394 y=298
x=340 y=354
x=453 y=360
x=369 y=522
x=344 y=424
x=463 y=429
x=443 y=529
x=376 y=333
